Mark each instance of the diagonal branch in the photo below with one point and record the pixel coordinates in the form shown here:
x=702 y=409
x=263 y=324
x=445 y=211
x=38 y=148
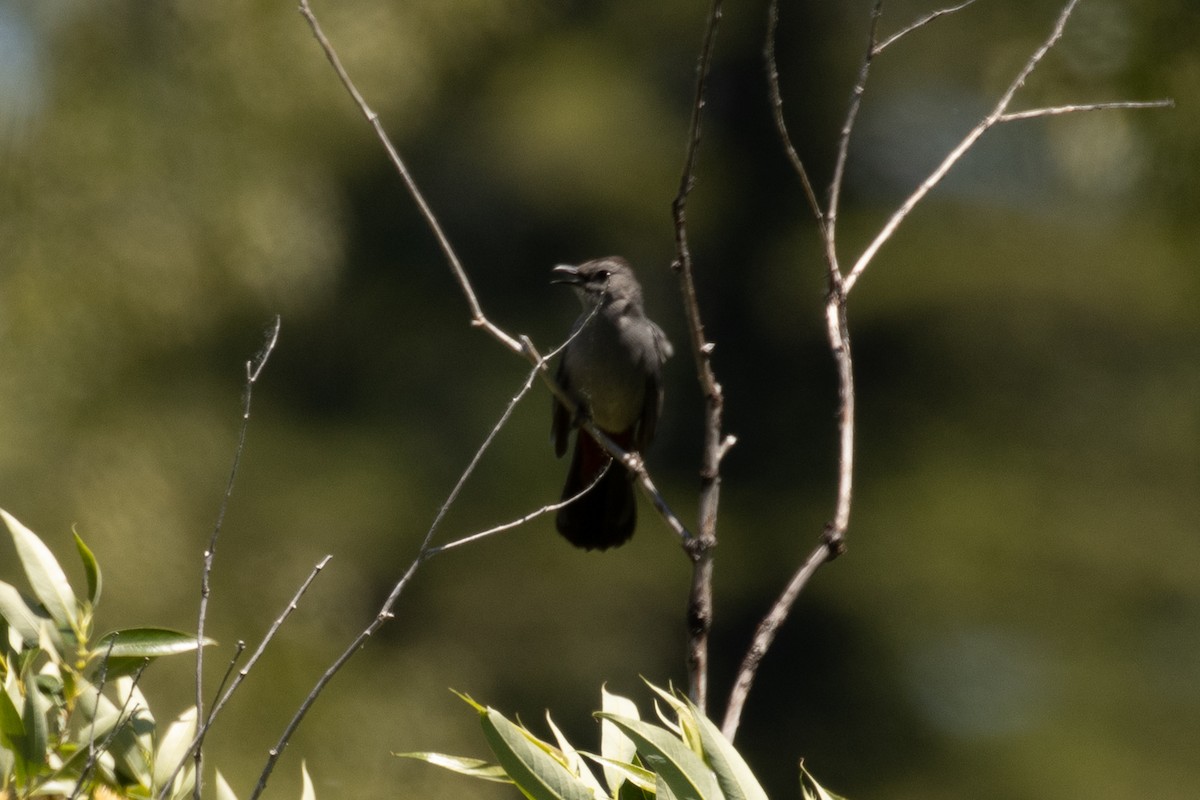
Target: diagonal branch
x=960 y=150
x=837 y=328
x=920 y=23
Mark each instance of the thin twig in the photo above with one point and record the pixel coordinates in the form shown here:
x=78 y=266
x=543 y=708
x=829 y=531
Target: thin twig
x=92 y=751
x=254 y=368
x=700 y=548
x=920 y=23
x=765 y=635
x=843 y=149
x=477 y=316
x=95 y=750
x=430 y=552
x=203 y=726
x=785 y=138
x=1054 y=111
x=954 y=155
x=837 y=327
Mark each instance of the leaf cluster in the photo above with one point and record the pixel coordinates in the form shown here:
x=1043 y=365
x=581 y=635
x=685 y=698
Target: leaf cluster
x=682 y=756
x=73 y=722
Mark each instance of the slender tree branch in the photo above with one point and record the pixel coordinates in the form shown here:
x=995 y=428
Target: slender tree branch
x=764 y=635
x=920 y=23
x=204 y=725
x=785 y=138
x=254 y=369
x=699 y=548
x=843 y=150
x=1054 y=111
x=430 y=552
x=957 y=153
x=837 y=328
x=477 y=316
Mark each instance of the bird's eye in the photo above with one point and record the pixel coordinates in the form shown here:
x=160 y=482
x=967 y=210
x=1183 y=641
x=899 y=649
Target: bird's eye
x=602 y=275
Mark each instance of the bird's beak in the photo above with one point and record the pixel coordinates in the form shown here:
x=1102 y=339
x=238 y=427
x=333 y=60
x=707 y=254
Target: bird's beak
x=565 y=273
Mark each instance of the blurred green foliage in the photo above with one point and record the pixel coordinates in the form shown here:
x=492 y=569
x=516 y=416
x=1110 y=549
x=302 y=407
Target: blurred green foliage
x=1019 y=610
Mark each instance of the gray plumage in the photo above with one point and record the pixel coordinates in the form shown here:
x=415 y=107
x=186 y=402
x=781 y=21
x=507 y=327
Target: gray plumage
x=612 y=368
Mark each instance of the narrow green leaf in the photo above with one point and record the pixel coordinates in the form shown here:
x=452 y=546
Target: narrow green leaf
x=685 y=773
x=11 y=727
x=148 y=643
x=631 y=792
x=734 y=776
x=614 y=745
x=640 y=777
x=471 y=767
x=172 y=747
x=33 y=719
x=224 y=791
x=527 y=761
x=574 y=762
x=20 y=615
x=685 y=724
x=813 y=790
x=307 y=792
x=46 y=577
x=132 y=746
x=91 y=569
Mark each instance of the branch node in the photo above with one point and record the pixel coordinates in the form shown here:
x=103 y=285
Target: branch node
x=834 y=540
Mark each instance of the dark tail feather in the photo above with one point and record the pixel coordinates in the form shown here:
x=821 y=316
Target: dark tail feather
x=606 y=515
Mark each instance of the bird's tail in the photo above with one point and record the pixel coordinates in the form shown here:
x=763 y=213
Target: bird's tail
x=606 y=514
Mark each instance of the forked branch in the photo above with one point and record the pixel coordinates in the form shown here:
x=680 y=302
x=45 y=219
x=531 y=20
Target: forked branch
x=837 y=328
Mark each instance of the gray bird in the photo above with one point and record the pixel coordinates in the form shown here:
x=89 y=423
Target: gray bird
x=612 y=369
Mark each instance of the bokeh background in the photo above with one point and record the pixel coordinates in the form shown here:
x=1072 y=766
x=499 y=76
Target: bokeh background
x=1019 y=611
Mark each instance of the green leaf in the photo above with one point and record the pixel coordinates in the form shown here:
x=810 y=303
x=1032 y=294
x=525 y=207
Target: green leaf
x=224 y=792
x=131 y=648
x=528 y=761
x=132 y=746
x=19 y=614
x=640 y=777
x=33 y=719
x=149 y=643
x=614 y=745
x=307 y=792
x=813 y=790
x=172 y=748
x=471 y=767
x=575 y=763
x=734 y=776
x=91 y=569
x=11 y=727
x=685 y=774
x=46 y=578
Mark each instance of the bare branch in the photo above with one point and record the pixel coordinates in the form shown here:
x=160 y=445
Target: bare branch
x=699 y=549
x=507 y=526
x=837 y=328
x=764 y=635
x=776 y=97
x=1054 y=111
x=954 y=155
x=843 y=150
x=477 y=316
x=920 y=23
x=254 y=368
x=203 y=726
